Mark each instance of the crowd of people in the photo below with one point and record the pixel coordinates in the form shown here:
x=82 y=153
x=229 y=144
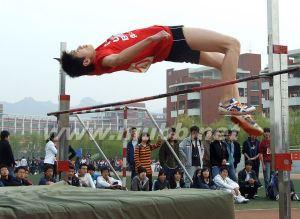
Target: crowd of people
x=211 y=160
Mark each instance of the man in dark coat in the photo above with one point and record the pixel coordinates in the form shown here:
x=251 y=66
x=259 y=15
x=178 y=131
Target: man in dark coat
x=6 y=154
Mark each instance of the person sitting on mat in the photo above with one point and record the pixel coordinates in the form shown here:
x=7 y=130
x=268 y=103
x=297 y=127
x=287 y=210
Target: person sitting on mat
x=136 y=50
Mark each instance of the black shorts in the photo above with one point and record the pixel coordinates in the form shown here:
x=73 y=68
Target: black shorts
x=181 y=52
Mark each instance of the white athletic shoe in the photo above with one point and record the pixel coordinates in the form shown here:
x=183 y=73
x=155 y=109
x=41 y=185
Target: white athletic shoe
x=241 y=199
x=234 y=107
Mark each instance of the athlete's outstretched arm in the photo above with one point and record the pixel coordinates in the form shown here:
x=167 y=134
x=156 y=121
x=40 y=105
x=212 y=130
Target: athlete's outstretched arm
x=130 y=53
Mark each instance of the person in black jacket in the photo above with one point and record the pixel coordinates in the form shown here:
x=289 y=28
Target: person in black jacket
x=161 y=183
x=247 y=180
x=166 y=158
x=205 y=180
x=251 y=152
x=6 y=179
x=6 y=154
x=177 y=181
x=20 y=173
x=218 y=153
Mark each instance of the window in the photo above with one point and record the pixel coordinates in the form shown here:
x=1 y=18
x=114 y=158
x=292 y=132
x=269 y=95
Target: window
x=193 y=104
x=181 y=105
x=242 y=92
x=254 y=85
x=254 y=100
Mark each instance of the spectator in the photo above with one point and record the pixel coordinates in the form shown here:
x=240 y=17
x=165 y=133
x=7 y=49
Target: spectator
x=196 y=178
x=20 y=173
x=234 y=153
x=206 y=144
x=48 y=178
x=70 y=178
x=166 y=158
x=23 y=162
x=92 y=171
x=51 y=151
x=251 y=152
x=131 y=145
x=265 y=157
x=1 y=184
x=248 y=181
x=142 y=154
x=105 y=181
x=205 y=180
x=26 y=176
x=177 y=181
x=161 y=183
x=224 y=183
x=6 y=154
x=6 y=178
x=85 y=178
x=140 y=182
x=192 y=150
x=218 y=153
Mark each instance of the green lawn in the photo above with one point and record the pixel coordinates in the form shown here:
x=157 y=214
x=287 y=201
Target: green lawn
x=261 y=202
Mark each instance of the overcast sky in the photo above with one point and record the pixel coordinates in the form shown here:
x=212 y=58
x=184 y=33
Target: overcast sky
x=31 y=31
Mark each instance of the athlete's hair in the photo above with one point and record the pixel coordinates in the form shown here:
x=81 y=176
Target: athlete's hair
x=73 y=66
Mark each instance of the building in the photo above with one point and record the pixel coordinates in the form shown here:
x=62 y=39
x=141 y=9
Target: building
x=293 y=83
x=113 y=120
x=204 y=104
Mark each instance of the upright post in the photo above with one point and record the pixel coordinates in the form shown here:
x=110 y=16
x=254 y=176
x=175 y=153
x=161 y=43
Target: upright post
x=279 y=105
x=125 y=124
x=63 y=120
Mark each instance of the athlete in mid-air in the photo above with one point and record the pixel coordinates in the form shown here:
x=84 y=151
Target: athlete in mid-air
x=136 y=50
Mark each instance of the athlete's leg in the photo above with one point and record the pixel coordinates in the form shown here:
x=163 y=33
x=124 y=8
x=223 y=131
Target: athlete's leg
x=215 y=60
x=210 y=41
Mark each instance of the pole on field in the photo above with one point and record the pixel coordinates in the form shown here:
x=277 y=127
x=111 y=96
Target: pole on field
x=279 y=105
x=63 y=120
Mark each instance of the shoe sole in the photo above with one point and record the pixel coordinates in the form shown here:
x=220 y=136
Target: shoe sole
x=250 y=129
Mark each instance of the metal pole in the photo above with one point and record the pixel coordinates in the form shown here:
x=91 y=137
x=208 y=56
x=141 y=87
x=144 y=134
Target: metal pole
x=98 y=147
x=124 y=146
x=279 y=107
x=169 y=146
x=63 y=120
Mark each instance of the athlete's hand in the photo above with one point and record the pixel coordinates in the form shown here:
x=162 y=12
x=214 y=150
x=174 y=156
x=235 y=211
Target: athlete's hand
x=160 y=36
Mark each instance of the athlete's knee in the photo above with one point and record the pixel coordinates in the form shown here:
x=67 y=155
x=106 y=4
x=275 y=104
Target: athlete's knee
x=233 y=45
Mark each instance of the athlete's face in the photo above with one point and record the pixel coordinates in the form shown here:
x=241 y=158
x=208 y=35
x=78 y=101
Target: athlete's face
x=84 y=51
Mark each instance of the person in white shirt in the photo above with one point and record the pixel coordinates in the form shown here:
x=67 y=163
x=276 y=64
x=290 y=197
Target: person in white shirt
x=85 y=178
x=51 y=150
x=23 y=162
x=224 y=183
x=106 y=182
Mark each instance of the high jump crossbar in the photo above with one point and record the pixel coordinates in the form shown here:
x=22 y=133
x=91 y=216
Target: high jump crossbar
x=191 y=90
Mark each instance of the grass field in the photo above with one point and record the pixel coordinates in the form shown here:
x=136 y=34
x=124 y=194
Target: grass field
x=261 y=202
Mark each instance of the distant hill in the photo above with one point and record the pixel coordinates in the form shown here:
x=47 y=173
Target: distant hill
x=30 y=106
